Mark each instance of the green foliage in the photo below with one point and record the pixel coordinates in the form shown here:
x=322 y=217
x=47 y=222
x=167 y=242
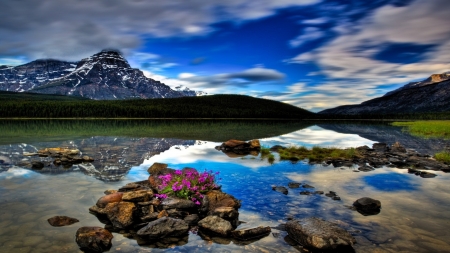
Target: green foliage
x=316 y=153
x=264 y=151
x=216 y=106
x=427 y=129
x=443 y=157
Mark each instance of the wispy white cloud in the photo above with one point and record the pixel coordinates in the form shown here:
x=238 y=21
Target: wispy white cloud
x=309 y=34
x=75 y=29
x=353 y=75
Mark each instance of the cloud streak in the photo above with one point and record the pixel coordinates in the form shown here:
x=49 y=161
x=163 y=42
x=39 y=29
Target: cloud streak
x=353 y=75
x=74 y=29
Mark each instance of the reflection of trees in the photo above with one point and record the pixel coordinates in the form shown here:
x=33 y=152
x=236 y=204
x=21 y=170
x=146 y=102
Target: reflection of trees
x=27 y=131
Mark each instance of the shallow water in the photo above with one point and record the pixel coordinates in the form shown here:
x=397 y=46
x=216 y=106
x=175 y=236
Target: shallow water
x=414 y=215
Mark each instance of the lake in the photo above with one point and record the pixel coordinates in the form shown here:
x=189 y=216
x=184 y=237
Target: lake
x=414 y=215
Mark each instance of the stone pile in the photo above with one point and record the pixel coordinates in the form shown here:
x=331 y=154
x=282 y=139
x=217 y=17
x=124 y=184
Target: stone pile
x=62 y=156
x=136 y=211
x=236 y=147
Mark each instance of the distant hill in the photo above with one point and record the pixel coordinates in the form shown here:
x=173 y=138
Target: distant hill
x=431 y=95
x=102 y=76
x=215 y=106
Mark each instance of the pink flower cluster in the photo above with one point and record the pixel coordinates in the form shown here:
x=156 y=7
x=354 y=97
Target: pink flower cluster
x=188 y=184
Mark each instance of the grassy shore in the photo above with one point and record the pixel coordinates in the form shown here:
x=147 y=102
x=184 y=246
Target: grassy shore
x=427 y=129
x=315 y=154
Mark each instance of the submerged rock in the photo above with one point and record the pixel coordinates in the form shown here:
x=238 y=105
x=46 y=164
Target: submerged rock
x=319 y=234
x=365 y=168
x=59 y=221
x=367 y=206
x=251 y=233
x=281 y=189
x=93 y=239
x=293 y=185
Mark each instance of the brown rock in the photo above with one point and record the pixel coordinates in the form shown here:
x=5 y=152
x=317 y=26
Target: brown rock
x=158 y=169
x=59 y=221
x=163 y=213
x=254 y=144
x=110 y=191
x=93 y=239
x=137 y=196
x=105 y=200
x=233 y=143
x=216 y=225
x=87 y=159
x=120 y=213
x=226 y=212
x=97 y=210
x=217 y=199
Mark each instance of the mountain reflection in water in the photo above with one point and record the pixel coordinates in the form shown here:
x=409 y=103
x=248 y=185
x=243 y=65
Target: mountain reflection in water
x=414 y=215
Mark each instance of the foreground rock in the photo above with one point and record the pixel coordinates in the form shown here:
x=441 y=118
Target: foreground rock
x=137 y=211
x=240 y=147
x=319 y=234
x=367 y=206
x=216 y=225
x=93 y=239
x=59 y=221
x=164 y=227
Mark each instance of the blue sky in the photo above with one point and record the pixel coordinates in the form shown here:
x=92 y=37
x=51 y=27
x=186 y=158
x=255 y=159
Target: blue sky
x=315 y=54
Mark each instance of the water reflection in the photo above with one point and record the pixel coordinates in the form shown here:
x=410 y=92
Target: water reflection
x=414 y=215
x=383 y=132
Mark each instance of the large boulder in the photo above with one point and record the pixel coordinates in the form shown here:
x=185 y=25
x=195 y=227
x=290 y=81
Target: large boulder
x=216 y=224
x=164 y=227
x=120 y=213
x=240 y=147
x=93 y=239
x=215 y=198
x=367 y=206
x=319 y=234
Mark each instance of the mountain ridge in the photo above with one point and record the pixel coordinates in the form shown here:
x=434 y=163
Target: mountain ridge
x=427 y=96
x=102 y=76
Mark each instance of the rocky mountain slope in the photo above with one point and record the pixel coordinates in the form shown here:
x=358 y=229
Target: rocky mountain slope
x=429 y=95
x=105 y=75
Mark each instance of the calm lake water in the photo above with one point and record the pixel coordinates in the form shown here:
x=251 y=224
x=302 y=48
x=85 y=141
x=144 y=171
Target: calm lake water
x=414 y=215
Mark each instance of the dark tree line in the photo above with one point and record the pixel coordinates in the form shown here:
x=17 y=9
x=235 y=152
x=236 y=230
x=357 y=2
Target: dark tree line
x=217 y=106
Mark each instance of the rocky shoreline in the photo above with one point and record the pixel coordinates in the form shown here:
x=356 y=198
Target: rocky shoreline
x=139 y=212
